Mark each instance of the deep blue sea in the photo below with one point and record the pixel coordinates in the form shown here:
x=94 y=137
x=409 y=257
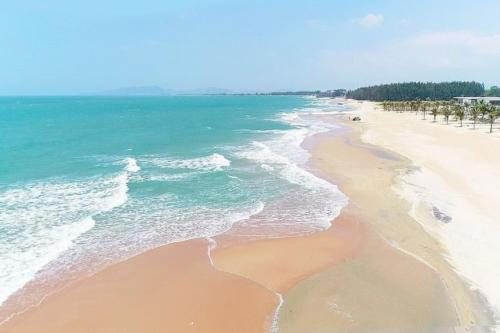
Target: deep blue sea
x=98 y=179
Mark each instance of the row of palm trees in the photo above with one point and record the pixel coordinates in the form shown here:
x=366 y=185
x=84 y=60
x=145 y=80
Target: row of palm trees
x=479 y=111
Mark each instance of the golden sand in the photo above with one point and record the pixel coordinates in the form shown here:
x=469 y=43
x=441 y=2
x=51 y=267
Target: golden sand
x=170 y=289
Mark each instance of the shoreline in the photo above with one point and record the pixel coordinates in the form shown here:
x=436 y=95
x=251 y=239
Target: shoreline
x=171 y=287
x=452 y=186
x=355 y=175
x=338 y=262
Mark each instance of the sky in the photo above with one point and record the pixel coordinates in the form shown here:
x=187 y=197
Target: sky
x=54 y=47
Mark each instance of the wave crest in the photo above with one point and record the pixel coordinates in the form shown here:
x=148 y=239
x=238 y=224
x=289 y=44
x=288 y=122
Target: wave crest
x=214 y=162
x=44 y=219
x=131 y=165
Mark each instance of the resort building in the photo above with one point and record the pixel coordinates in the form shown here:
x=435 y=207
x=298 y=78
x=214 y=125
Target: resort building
x=474 y=100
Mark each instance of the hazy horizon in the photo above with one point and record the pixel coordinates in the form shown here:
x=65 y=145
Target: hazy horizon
x=58 y=48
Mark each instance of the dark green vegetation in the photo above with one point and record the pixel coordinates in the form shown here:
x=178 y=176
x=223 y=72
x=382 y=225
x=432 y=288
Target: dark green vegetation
x=480 y=111
x=332 y=93
x=417 y=90
x=494 y=91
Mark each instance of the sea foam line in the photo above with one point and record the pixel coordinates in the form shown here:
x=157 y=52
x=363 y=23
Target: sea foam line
x=37 y=216
x=214 y=162
x=274 y=322
x=212 y=245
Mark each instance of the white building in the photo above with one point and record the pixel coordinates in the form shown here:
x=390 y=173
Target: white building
x=474 y=100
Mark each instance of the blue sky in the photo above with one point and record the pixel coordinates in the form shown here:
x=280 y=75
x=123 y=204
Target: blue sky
x=71 y=47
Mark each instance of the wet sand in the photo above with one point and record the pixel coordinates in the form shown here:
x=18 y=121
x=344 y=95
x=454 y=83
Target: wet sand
x=349 y=278
x=171 y=289
x=400 y=281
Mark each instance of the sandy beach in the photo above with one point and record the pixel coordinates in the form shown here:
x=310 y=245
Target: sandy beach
x=455 y=176
x=387 y=264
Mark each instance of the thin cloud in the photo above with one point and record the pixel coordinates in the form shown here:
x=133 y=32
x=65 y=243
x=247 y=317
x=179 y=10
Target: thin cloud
x=370 y=21
x=460 y=41
x=434 y=56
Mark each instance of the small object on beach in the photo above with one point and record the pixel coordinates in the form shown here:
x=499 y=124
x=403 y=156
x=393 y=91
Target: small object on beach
x=440 y=216
x=356 y=118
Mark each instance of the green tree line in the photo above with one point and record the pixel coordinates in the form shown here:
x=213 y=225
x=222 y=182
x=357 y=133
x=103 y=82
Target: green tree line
x=417 y=90
x=494 y=91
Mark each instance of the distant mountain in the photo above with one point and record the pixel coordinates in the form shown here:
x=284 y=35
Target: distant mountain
x=206 y=91
x=159 y=91
x=137 y=91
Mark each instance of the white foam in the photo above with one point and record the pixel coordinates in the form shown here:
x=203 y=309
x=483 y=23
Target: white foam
x=246 y=214
x=39 y=248
x=274 y=322
x=299 y=176
x=262 y=153
x=320 y=201
x=212 y=244
x=214 y=162
x=166 y=177
x=268 y=131
x=159 y=220
x=131 y=165
x=267 y=167
x=42 y=220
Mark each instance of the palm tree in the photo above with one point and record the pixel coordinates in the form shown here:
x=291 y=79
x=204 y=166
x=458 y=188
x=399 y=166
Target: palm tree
x=418 y=105
x=483 y=108
x=386 y=105
x=467 y=107
x=475 y=111
x=459 y=112
x=447 y=113
x=493 y=113
x=407 y=105
x=424 y=107
x=435 y=110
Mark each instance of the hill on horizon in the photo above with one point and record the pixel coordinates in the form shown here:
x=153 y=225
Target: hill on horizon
x=159 y=91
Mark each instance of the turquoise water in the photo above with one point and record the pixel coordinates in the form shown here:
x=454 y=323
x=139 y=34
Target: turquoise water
x=102 y=178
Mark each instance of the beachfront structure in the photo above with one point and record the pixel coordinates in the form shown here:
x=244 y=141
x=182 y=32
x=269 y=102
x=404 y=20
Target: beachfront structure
x=474 y=100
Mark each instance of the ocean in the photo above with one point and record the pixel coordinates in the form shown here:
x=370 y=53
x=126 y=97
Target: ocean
x=88 y=181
